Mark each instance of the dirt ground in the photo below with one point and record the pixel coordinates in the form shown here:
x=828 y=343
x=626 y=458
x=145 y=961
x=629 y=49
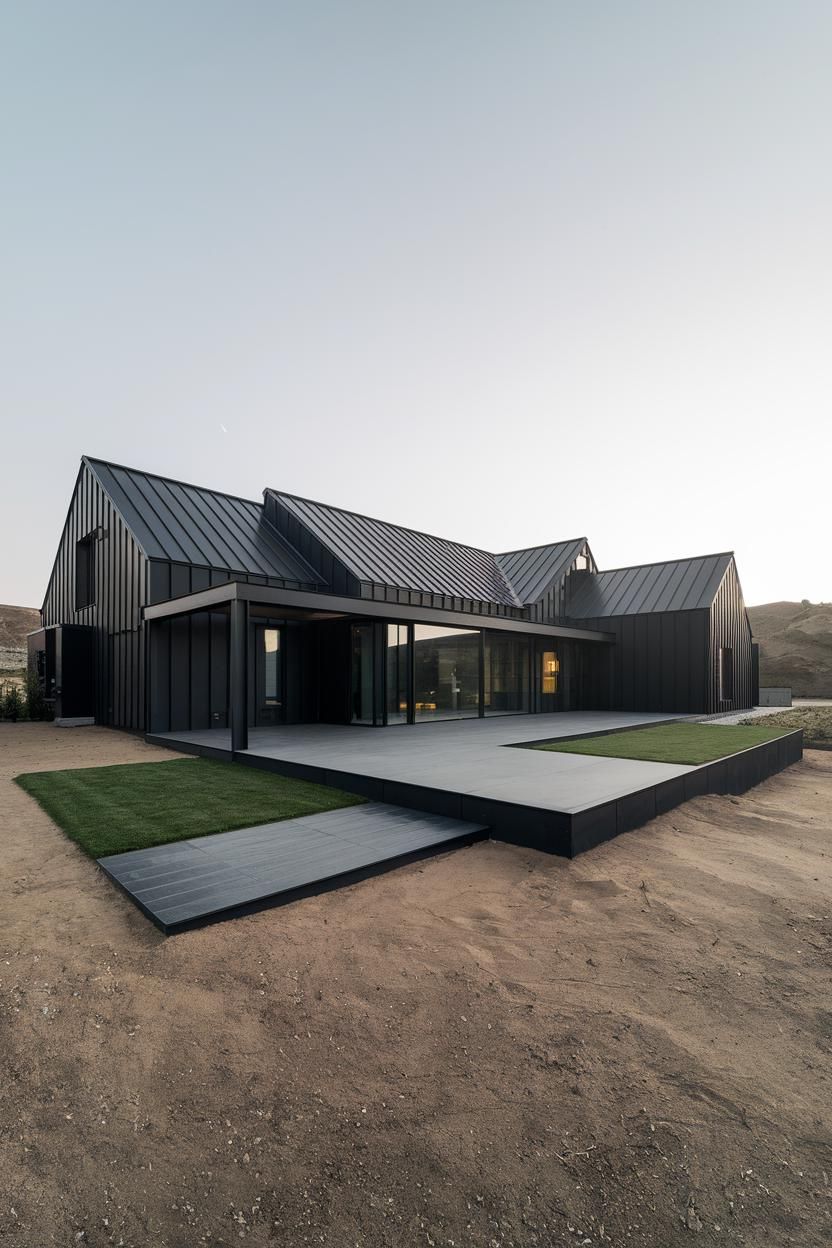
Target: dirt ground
x=490 y=1048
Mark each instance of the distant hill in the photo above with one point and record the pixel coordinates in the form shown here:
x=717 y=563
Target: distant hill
x=15 y=623
x=795 y=646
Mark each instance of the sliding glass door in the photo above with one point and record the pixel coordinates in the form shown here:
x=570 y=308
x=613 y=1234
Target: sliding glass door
x=506 y=672
x=362 y=674
x=446 y=664
x=397 y=673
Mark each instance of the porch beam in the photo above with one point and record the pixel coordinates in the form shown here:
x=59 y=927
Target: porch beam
x=268 y=596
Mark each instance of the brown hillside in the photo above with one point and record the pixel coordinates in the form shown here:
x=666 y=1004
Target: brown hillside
x=15 y=623
x=795 y=646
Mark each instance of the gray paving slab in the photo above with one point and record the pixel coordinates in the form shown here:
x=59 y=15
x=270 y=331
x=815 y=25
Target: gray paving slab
x=190 y=881
x=469 y=757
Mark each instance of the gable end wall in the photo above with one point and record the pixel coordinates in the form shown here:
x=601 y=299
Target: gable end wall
x=120 y=594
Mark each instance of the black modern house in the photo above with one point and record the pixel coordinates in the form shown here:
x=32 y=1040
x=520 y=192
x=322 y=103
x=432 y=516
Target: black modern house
x=172 y=607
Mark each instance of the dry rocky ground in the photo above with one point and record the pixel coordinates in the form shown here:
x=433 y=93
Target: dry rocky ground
x=490 y=1048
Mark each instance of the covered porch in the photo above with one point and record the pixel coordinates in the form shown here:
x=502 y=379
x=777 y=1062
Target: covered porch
x=242 y=657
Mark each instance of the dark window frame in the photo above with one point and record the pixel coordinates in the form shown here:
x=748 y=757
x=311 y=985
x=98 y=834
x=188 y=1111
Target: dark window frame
x=85 y=572
x=726 y=674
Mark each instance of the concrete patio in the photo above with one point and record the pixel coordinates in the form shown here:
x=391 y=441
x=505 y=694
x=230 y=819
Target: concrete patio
x=562 y=803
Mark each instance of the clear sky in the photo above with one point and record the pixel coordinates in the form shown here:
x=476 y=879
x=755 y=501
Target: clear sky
x=508 y=272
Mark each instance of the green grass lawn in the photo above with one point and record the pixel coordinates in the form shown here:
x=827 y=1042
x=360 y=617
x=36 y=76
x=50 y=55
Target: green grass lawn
x=109 y=810
x=670 y=743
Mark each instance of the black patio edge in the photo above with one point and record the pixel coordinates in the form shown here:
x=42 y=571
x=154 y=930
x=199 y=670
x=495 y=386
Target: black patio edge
x=562 y=832
x=566 y=833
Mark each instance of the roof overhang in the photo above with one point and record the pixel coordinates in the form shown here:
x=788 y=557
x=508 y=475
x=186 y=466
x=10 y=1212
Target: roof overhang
x=243 y=591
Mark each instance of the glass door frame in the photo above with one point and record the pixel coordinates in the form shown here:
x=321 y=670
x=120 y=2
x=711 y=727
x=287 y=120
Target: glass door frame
x=261 y=702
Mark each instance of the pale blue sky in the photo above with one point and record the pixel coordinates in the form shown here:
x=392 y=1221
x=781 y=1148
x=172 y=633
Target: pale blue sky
x=508 y=272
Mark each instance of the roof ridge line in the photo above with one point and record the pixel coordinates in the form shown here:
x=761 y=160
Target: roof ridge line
x=566 y=541
x=190 y=485
x=658 y=563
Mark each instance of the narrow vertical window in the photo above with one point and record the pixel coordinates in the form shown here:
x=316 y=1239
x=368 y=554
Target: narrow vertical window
x=271 y=666
x=85 y=572
x=726 y=674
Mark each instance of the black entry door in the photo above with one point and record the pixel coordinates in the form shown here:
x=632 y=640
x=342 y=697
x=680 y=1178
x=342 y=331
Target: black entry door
x=269 y=676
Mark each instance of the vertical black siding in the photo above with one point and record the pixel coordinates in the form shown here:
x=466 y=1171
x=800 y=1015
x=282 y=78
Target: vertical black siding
x=120 y=594
x=729 y=627
x=659 y=662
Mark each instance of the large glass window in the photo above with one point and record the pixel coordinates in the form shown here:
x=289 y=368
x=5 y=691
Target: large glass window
x=362 y=673
x=447 y=672
x=397 y=673
x=506 y=674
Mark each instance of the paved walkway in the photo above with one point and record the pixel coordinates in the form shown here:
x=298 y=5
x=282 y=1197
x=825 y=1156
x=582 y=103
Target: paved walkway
x=468 y=756
x=188 y=882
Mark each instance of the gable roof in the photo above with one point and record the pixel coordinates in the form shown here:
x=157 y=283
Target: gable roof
x=676 y=585
x=382 y=553
x=531 y=571
x=189 y=524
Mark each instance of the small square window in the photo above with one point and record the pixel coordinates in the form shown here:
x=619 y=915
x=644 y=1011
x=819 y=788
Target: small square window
x=85 y=572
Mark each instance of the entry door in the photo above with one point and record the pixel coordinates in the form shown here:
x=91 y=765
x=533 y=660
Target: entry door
x=269 y=677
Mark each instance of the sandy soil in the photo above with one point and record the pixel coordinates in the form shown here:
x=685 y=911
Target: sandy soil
x=493 y=1047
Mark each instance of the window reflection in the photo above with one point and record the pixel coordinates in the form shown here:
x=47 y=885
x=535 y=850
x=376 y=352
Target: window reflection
x=447 y=672
x=397 y=677
x=362 y=674
x=506 y=674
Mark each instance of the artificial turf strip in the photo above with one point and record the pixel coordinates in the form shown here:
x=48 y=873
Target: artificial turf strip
x=670 y=743
x=110 y=810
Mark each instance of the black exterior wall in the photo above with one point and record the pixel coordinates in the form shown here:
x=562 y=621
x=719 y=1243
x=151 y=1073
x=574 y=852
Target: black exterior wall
x=670 y=660
x=120 y=593
x=659 y=662
x=729 y=627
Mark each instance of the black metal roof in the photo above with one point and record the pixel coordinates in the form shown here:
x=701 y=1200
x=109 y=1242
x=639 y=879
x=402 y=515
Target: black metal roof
x=189 y=524
x=677 y=585
x=531 y=571
x=382 y=553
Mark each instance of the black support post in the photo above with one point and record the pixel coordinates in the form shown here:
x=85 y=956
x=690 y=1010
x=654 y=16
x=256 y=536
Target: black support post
x=238 y=673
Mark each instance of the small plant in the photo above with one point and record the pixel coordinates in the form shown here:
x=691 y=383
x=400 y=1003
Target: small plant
x=36 y=706
x=12 y=704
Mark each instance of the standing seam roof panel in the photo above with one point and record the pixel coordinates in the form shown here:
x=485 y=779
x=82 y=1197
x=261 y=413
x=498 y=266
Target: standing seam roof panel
x=164 y=539
x=678 y=585
x=531 y=571
x=184 y=523
x=386 y=554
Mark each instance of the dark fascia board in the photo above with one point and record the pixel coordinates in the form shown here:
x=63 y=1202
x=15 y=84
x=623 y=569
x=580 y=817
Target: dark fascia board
x=235 y=591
